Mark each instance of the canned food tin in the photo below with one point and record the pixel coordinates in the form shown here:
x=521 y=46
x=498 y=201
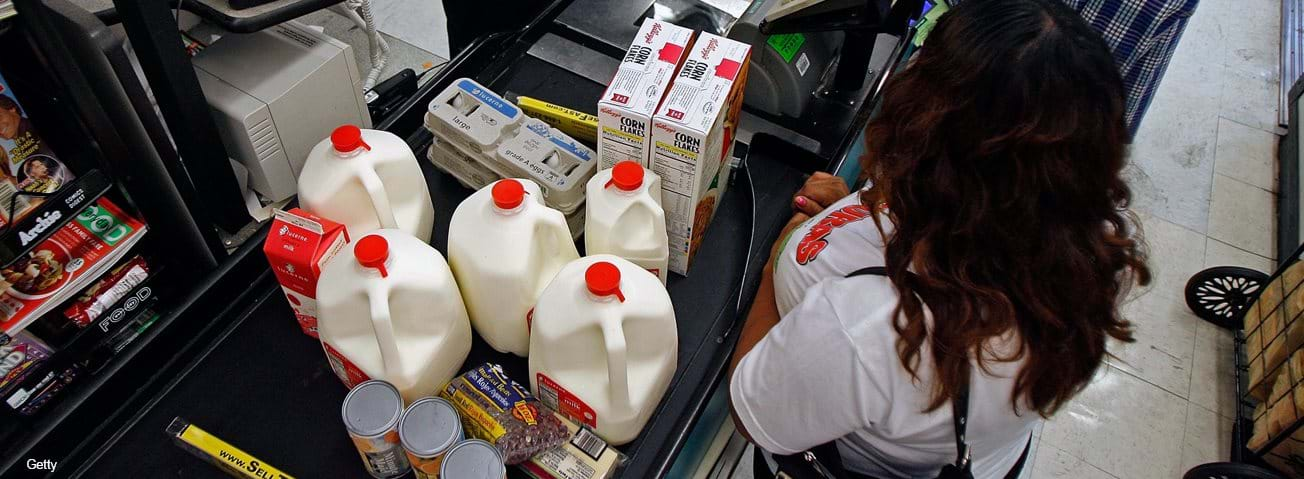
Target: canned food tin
x=429 y=428
x=473 y=459
x=371 y=414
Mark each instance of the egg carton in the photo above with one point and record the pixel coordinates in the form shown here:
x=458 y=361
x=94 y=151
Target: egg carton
x=472 y=174
x=473 y=117
x=559 y=164
x=468 y=172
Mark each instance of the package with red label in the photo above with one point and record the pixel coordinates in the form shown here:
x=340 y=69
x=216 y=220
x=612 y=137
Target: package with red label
x=108 y=290
x=18 y=357
x=499 y=410
x=693 y=138
x=585 y=456
x=626 y=108
x=564 y=402
x=350 y=374
x=76 y=254
x=298 y=247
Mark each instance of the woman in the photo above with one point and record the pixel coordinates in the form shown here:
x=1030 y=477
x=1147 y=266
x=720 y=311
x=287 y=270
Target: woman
x=999 y=213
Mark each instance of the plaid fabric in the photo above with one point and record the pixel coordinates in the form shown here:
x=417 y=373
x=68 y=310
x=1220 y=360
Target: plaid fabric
x=1143 y=35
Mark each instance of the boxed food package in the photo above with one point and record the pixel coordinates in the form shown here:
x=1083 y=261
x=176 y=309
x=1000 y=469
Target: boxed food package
x=18 y=357
x=579 y=125
x=584 y=456
x=473 y=117
x=92 y=303
x=693 y=136
x=299 y=245
x=560 y=165
x=467 y=170
x=626 y=108
x=499 y=410
x=481 y=137
x=98 y=297
x=29 y=165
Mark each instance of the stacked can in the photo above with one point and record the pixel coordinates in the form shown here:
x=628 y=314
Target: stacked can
x=473 y=459
x=429 y=428
x=372 y=411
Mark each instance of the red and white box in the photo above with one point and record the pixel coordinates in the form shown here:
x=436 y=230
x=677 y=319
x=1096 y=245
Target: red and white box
x=693 y=137
x=298 y=247
x=626 y=108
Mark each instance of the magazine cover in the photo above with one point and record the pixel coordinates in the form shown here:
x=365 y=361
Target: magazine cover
x=29 y=165
x=77 y=254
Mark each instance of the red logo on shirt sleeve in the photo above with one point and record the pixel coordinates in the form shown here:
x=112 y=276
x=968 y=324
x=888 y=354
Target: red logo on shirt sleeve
x=816 y=240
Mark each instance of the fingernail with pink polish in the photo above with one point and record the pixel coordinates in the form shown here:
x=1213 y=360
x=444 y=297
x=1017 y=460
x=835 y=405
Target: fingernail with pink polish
x=801 y=201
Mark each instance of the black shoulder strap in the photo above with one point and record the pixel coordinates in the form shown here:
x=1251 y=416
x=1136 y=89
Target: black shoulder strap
x=872 y=270
x=959 y=404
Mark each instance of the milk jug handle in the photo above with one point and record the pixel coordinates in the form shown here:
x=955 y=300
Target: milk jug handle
x=617 y=370
x=561 y=243
x=383 y=326
x=646 y=206
x=379 y=199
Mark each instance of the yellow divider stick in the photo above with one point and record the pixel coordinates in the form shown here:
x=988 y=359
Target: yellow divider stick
x=235 y=462
x=579 y=125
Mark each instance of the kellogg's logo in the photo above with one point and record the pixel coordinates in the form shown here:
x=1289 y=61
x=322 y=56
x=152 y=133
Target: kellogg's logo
x=664 y=127
x=711 y=46
x=656 y=29
x=609 y=112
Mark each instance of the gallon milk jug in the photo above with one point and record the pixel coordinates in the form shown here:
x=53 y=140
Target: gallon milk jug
x=367 y=179
x=603 y=345
x=391 y=310
x=505 y=246
x=624 y=217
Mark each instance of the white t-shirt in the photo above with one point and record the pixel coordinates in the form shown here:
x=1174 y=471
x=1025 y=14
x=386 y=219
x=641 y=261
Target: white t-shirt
x=839 y=240
x=830 y=370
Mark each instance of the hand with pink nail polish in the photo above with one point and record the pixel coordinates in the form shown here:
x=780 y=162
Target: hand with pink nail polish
x=820 y=191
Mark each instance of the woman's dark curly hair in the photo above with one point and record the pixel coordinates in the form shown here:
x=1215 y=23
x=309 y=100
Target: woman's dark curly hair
x=998 y=152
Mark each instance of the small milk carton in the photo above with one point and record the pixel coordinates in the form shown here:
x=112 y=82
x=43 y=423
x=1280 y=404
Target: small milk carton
x=298 y=247
x=692 y=136
x=626 y=108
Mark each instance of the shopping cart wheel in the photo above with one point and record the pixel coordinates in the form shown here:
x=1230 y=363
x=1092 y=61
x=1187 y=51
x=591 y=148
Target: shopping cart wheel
x=1230 y=470
x=1220 y=294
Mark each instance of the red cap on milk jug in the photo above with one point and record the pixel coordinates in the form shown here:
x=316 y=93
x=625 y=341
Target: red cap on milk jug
x=508 y=194
x=347 y=138
x=372 y=251
x=626 y=175
x=603 y=279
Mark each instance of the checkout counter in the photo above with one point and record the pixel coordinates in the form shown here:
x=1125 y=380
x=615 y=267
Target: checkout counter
x=253 y=379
